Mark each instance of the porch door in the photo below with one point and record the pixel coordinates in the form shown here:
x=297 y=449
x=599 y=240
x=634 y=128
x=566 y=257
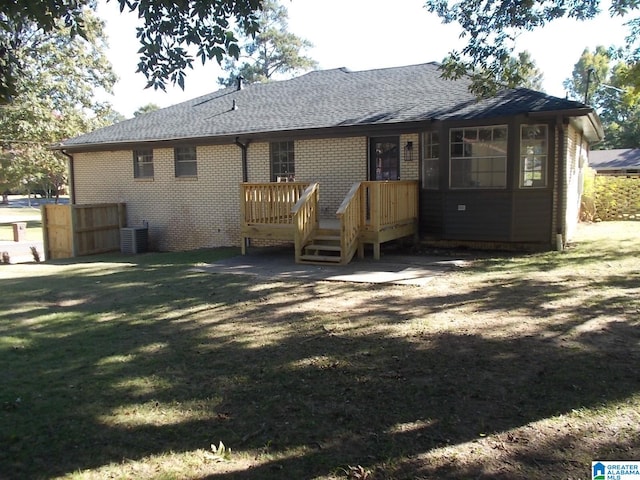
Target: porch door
x=384 y=158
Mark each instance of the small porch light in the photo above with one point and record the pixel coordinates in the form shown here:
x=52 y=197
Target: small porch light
x=408 y=152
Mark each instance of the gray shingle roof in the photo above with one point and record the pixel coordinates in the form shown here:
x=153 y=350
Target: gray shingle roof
x=616 y=159
x=323 y=99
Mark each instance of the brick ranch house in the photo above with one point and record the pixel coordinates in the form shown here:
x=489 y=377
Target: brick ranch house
x=502 y=172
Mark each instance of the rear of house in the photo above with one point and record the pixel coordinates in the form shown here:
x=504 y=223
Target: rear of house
x=502 y=172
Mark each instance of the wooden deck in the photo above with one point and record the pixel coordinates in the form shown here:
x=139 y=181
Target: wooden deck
x=371 y=213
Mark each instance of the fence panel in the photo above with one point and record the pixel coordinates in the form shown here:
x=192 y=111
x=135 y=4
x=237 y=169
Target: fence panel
x=57 y=232
x=77 y=230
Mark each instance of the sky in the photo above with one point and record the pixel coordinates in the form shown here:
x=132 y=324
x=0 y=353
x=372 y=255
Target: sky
x=358 y=35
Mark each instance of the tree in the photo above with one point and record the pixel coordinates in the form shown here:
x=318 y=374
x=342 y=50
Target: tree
x=605 y=83
x=54 y=98
x=173 y=34
x=492 y=26
x=590 y=70
x=149 y=107
x=272 y=51
x=524 y=68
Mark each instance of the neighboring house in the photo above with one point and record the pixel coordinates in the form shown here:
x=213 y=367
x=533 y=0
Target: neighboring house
x=619 y=162
x=500 y=172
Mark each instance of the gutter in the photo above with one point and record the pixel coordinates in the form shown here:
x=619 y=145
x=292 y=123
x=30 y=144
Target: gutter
x=72 y=182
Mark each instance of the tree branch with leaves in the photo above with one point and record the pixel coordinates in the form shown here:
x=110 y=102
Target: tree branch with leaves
x=491 y=28
x=172 y=36
x=54 y=99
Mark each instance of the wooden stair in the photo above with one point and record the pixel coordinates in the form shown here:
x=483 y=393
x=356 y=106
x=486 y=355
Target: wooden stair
x=323 y=248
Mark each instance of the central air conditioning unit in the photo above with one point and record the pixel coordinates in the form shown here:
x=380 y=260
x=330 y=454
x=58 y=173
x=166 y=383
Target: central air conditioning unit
x=134 y=239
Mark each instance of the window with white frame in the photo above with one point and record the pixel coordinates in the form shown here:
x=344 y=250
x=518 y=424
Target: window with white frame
x=186 y=161
x=283 y=163
x=533 y=156
x=431 y=161
x=143 y=163
x=478 y=157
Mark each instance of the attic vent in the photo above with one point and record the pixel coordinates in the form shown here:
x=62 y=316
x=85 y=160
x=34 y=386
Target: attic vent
x=134 y=240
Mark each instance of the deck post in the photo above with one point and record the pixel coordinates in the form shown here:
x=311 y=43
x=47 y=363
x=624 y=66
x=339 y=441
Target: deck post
x=243 y=216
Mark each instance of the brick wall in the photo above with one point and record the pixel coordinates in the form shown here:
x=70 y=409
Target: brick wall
x=189 y=213
x=410 y=168
x=320 y=160
x=577 y=155
x=182 y=213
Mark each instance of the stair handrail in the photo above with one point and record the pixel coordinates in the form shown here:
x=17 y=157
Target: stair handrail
x=305 y=217
x=352 y=220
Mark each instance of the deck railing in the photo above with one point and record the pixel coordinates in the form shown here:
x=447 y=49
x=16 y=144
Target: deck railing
x=352 y=220
x=371 y=213
x=390 y=203
x=305 y=217
x=270 y=203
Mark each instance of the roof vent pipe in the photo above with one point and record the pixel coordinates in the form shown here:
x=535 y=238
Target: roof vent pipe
x=235 y=105
x=239 y=80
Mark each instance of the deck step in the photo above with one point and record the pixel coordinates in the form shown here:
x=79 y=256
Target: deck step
x=319 y=259
x=324 y=247
x=327 y=238
x=330 y=232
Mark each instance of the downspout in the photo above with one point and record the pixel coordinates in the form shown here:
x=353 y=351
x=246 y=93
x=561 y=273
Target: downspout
x=561 y=214
x=245 y=175
x=243 y=147
x=72 y=182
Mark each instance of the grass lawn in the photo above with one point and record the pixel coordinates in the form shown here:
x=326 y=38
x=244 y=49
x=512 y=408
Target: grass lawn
x=516 y=367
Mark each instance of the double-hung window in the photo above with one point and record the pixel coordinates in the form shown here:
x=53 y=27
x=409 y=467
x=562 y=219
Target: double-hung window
x=533 y=156
x=186 y=162
x=283 y=163
x=143 y=163
x=478 y=157
x=431 y=161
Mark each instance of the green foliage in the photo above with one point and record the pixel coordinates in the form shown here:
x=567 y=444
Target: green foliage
x=273 y=50
x=54 y=99
x=603 y=81
x=523 y=72
x=519 y=71
x=587 y=202
x=220 y=453
x=491 y=28
x=617 y=198
x=587 y=72
x=172 y=36
x=149 y=107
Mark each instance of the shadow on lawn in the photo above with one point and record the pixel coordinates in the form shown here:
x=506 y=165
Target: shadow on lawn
x=88 y=376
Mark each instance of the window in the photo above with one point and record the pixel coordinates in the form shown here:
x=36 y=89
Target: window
x=533 y=156
x=186 y=163
x=431 y=161
x=283 y=165
x=143 y=163
x=478 y=157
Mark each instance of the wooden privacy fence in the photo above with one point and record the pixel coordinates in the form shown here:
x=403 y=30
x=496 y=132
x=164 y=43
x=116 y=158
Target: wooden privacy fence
x=76 y=230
